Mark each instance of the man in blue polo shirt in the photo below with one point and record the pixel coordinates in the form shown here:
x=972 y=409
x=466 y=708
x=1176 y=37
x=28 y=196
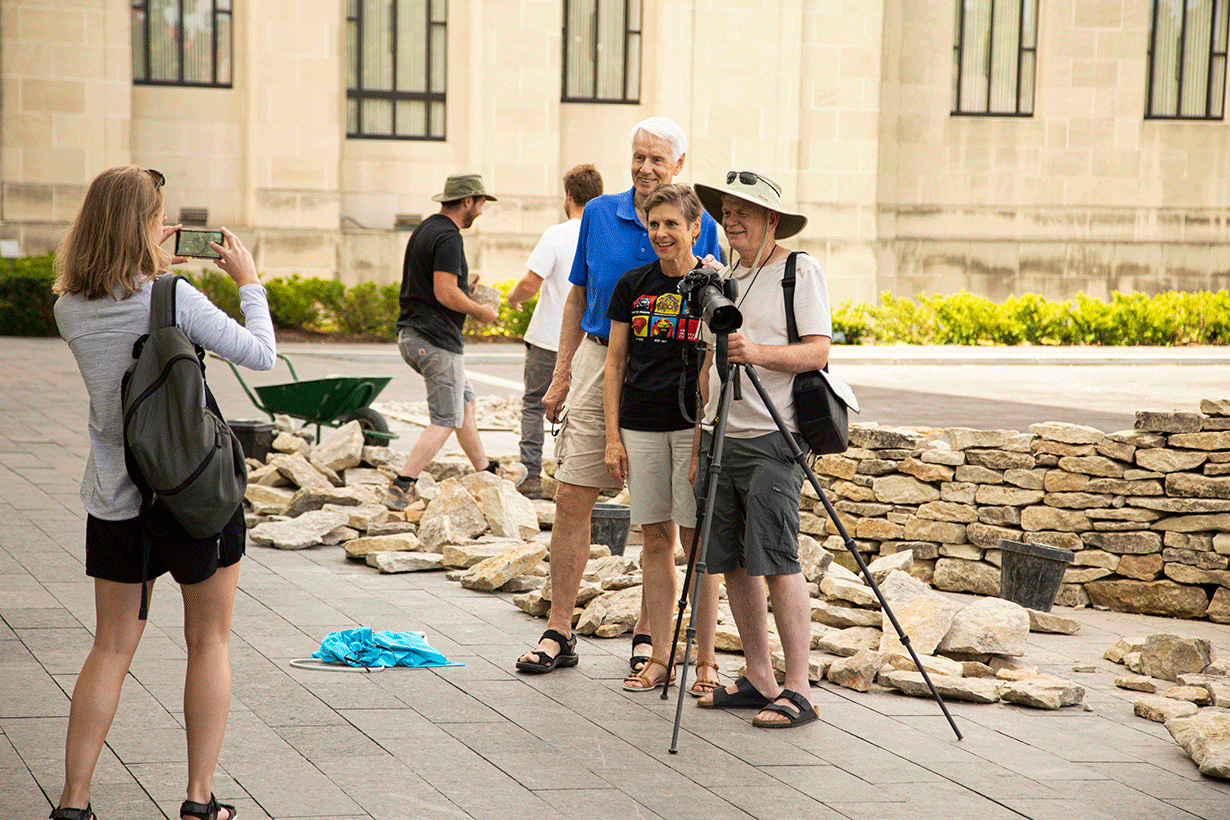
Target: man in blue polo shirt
x=613 y=241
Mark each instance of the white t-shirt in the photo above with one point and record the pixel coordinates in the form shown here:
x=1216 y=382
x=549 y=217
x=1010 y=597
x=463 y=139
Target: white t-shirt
x=763 y=305
x=552 y=260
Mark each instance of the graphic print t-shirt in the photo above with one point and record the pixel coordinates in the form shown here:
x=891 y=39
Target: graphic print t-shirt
x=661 y=347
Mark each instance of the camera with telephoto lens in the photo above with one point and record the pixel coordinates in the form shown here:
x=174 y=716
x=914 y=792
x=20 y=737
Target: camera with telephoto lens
x=711 y=298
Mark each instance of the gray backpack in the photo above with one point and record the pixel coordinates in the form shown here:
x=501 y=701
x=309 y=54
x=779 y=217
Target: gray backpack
x=178 y=450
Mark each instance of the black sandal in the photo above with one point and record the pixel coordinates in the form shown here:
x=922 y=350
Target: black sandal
x=206 y=811
x=805 y=713
x=637 y=662
x=745 y=696
x=73 y=814
x=546 y=661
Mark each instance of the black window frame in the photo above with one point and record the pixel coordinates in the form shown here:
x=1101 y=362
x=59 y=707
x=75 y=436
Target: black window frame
x=216 y=13
x=1023 y=52
x=354 y=61
x=1214 y=56
x=628 y=96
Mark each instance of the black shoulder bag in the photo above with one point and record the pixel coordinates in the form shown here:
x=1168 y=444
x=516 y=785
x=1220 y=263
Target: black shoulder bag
x=820 y=413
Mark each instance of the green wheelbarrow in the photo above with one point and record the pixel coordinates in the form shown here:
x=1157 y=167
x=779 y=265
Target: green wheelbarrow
x=331 y=402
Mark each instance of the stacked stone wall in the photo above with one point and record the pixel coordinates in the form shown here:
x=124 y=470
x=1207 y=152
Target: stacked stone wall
x=1146 y=511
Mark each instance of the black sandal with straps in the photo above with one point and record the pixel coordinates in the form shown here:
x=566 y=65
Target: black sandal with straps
x=206 y=811
x=546 y=661
x=73 y=814
x=637 y=662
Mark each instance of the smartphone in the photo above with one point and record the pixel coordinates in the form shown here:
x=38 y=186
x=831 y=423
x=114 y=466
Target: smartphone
x=194 y=243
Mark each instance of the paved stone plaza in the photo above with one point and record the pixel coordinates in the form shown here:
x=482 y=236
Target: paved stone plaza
x=482 y=741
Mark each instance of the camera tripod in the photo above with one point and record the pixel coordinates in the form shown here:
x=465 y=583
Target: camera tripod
x=704 y=515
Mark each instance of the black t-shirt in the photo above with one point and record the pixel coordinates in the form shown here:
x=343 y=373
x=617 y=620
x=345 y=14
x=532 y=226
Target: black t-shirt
x=434 y=246
x=661 y=346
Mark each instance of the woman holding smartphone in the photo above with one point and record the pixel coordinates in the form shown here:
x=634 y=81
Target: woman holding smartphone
x=649 y=395
x=106 y=265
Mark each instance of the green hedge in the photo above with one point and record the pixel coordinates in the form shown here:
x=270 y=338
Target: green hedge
x=369 y=311
x=1170 y=318
x=26 y=301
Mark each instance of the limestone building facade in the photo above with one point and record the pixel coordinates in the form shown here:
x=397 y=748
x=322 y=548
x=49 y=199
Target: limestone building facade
x=996 y=146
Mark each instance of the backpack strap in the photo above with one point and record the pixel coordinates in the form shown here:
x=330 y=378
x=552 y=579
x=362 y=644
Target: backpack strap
x=162 y=303
x=792 y=329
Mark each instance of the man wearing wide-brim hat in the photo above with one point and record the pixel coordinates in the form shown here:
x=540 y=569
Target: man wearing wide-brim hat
x=435 y=301
x=755 y=528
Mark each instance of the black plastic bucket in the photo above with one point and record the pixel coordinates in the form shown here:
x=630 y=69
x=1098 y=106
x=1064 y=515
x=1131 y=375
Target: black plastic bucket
x=1030 y=574
x=255 y=437
x=609 y=525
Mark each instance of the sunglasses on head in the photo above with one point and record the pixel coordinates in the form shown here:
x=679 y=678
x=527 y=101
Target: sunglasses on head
x=749 y=178
x=159 y=179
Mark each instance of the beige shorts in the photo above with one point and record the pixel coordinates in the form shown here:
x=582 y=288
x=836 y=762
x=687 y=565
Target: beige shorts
x=658 y=486
x=581 y=444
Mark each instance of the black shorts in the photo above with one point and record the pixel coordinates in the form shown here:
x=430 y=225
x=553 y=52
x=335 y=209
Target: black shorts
x=113 y=549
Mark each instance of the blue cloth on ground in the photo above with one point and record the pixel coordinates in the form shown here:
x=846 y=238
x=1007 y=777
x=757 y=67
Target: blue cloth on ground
x=362 y=647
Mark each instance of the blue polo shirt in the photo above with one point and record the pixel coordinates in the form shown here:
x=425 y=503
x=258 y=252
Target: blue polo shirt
x=613 y=241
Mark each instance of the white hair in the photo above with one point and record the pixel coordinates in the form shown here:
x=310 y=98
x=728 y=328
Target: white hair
x=666 y=129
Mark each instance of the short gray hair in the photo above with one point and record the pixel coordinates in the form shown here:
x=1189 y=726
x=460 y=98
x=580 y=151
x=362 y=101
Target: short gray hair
x=666 y=129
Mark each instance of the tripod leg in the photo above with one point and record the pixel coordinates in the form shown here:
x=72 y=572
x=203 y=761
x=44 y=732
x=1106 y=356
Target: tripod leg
x=700 y=545
x=801 y=458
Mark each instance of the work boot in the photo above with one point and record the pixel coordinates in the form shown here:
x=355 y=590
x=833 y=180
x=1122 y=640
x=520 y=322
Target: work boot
x=400 y=494
x=531 y=487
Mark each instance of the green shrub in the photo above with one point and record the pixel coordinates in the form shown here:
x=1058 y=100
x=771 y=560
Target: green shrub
x=27 y=303
x=368 y=310
x=852 y=322
x=293 y=302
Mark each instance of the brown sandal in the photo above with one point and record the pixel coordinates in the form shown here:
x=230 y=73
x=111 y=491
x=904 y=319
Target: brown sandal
x=704 y=687
x=640 y=682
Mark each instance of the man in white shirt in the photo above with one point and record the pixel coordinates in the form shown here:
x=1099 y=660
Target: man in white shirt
x=546 y=273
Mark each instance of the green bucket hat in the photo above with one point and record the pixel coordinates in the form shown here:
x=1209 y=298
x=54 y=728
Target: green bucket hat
x=462 y=186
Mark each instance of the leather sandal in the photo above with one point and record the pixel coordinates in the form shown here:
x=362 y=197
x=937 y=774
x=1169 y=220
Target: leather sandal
x=640 y=682
x=73 y=814
x=637 y=662
x=803 y=712
x=206 y=811
x=745 y=696
x=546 y=662
x=704 y=687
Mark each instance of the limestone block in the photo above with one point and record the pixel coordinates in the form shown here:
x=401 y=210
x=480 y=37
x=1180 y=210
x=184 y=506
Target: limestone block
x=1180 y=505
x=1119 y=451
x=835 y=465
x=361 y=547
x=267 y=500
x=1084 y=575
x=900 y=489
x=817 y=666
x=1160 y=709
x=924 y=471
x=455 y=503
x=882 y=566
x=849 y=641
x=899 y=586
x=925 y=619
x=920 y=529
x=1219 y=608
x=857 y=671
x=1219 y=440
x=987 y=536
x=857 y=594
x=509 y=514
x=933 y=664
x=437 y=534
x=1061 y=481
x=1124 y=647
x=1000 y=516
x=469 y=553
x=1140 y=567
x=958 y=575
x=1051 y=518
x=1130 y=543
x=814 y=558
x=475 y=483
x=1092 y=465
x=314 y=498
x=285 y=442
x=1194 y=523
x=973 y=474
x=1188 y=485
x=1192 y=694
x=391 y=562
x=1026 y=479
x=967 y=552
x=877 y=529
x=1137 y=683
x=874 y=437
x=1077 y=501
x=375 y=455
x=492 y=573
x=1001 y=496
x=1219 y=692
x=1215 y=407
x=306 y=530
x=958 y=492
x=361 y=517
x=1067 y=433
x=842 y=617
x=341 y=448
x=990 y=626
x=999 y=459
x=364 y=476
x=391 y=527
x=1097 y=558
x=976 y=690
x=1169 y=461
x=1161 y=422
x=300 y=472
x=1043 y=692
x=1206 y=739
x=523 y=583
x=611 y=612
x=963 y=438
x=532 y=603
x=1185 y=574
x=1051 y=623
x=1149 y=598
x=1139 y=438
x=1166 y=656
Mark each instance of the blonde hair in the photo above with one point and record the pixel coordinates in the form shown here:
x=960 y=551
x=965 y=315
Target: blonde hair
x=114 y=238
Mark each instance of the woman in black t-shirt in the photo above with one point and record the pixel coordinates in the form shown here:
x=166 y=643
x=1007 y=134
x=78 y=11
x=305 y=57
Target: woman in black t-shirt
x=649 y=397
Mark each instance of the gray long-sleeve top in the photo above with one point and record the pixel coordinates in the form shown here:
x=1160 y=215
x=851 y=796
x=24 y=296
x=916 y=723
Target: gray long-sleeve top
x=101 y=334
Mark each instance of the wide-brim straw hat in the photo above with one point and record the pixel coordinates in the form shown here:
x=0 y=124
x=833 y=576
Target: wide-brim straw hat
x=462 y=186
x=756 y=189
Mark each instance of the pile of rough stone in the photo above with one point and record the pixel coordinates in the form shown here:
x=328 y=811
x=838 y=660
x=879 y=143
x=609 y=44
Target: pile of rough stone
x=1147 y=511
x=1192 y=700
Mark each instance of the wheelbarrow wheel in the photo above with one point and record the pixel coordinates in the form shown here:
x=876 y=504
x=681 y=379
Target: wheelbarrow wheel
x=368 y=419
